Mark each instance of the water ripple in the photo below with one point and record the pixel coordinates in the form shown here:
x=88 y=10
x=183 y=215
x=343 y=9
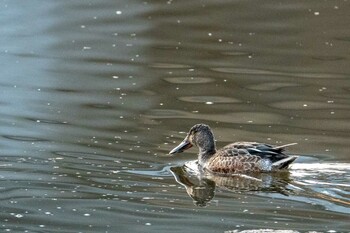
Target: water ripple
x=271 y=86
x=237 y=70
x=189 y=80
x=24 y=138
x=209 y=99
x=308 y=105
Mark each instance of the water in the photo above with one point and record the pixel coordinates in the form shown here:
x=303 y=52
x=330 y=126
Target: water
x=94 y=94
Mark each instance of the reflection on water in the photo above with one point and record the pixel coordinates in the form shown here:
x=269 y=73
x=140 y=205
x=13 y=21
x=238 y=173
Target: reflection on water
x=201 y=187
x=297 y=185
x=93 y=95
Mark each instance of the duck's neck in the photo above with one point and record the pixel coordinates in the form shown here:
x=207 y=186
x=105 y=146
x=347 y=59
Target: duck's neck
x=206 y=147
x=205 y=154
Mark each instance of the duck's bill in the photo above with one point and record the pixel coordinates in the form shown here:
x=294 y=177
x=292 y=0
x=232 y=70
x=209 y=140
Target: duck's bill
x=184 y=145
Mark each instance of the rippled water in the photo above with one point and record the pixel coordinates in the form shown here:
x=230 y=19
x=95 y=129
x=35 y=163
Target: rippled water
x=95 y=93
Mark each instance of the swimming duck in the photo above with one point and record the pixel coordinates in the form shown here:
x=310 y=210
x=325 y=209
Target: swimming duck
x=238 y=157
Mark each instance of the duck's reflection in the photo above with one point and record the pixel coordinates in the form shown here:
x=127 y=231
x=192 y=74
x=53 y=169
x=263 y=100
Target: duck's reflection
x=201 y=186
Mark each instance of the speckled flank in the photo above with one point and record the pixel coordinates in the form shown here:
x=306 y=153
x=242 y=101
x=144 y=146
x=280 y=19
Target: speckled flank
x=234 y=164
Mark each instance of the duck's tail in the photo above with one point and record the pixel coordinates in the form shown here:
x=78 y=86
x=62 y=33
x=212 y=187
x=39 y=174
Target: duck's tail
x=284 y=163
x=284 y=146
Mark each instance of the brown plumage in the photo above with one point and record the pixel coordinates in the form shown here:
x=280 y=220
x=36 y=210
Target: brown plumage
x=239 y=157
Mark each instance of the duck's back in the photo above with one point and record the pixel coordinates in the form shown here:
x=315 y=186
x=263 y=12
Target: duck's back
x=248 y=157
x=262 y=150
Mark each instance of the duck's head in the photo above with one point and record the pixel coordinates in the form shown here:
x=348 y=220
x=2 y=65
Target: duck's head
x=200 y=135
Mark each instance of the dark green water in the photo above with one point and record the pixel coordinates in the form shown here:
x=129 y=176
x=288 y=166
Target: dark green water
x=93 y=95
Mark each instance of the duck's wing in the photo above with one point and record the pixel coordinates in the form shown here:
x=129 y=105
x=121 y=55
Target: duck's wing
x=249 y=157
x=261 y=150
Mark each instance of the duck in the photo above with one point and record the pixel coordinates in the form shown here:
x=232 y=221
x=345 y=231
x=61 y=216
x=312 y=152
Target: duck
x=237 y=157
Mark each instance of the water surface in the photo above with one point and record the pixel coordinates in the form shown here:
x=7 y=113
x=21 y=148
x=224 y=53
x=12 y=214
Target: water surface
x=95 y=93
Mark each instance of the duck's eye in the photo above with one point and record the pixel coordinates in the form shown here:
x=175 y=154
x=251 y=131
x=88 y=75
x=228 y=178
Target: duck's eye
x=191 y=134
x=193 y=138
